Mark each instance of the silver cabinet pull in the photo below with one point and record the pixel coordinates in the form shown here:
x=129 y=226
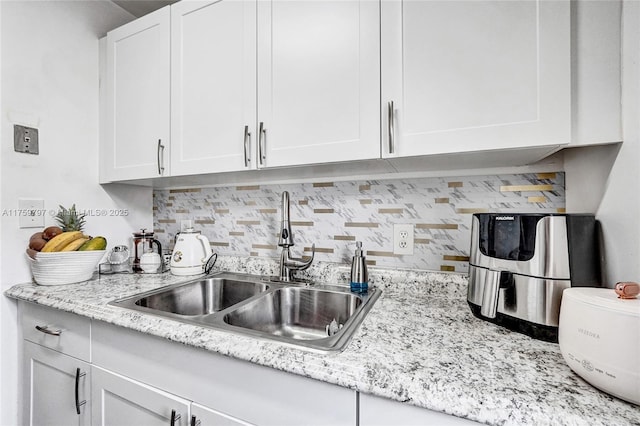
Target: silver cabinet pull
x=78 y=402
x=160 y=157
x=392 y=127
x=174 y=417
x=45 y=330
x=262 y=136
x=247 y=141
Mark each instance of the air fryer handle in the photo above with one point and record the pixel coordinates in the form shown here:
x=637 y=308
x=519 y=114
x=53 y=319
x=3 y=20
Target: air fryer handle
x=494 y=281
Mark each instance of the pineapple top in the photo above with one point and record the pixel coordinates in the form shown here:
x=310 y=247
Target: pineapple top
x=70 y=219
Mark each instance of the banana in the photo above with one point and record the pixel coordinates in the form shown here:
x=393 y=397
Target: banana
x=95 y=243
x=75 y=244
x=60 y=241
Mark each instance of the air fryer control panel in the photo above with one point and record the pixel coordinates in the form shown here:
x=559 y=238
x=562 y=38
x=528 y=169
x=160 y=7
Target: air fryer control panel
x=508 y=236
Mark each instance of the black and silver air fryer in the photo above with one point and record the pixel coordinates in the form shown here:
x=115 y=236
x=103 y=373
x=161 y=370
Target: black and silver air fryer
x=520 y=264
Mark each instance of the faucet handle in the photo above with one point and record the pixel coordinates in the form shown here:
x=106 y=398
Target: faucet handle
x=313 y=254
x=300 y=264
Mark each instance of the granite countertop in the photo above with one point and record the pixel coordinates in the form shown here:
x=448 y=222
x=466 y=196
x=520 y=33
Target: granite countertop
x=420 y=345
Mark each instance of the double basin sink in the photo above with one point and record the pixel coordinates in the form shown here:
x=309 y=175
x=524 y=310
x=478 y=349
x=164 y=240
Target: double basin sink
x=317 y=317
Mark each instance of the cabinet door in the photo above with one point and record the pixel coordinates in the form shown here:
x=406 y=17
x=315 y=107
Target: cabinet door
x=53 y=394
x=474 y=75
x=137 y=127
x=213 y=88
x=208 y=417
x=318 y=81
x=120 y=401
x=375 y=411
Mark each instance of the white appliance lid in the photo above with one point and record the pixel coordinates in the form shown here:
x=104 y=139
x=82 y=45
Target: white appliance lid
x=603 y=297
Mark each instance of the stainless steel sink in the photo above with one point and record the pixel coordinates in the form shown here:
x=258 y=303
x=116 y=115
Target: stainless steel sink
x=297 y=313
x=317 y=317
x=202 y=297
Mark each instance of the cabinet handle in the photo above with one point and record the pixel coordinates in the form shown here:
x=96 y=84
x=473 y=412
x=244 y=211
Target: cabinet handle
x=262 y=136
x=46 y=330
x=160 y=157
x=174 y=417
x=194 y=421
x=392 y=127
x=78 y=402
x=247 y=141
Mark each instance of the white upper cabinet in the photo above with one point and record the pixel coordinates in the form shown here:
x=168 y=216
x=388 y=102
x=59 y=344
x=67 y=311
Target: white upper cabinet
x=136 y=141
x=213 y=86
x=596 y=72
x=318 y=81
x=462 y=76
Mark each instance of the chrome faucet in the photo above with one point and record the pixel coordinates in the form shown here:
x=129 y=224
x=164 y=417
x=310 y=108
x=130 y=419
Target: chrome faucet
x=288 y=264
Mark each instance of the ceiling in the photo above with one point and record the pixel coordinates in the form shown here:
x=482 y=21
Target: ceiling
x=139 y=8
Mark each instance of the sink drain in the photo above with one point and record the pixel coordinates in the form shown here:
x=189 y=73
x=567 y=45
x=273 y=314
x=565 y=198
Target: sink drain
x=333 y=327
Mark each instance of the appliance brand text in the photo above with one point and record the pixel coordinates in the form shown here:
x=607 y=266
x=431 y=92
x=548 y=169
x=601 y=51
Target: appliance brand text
x=589 y=333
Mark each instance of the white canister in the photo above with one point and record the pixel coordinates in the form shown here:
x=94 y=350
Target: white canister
x=151 y=263
x=599 y=336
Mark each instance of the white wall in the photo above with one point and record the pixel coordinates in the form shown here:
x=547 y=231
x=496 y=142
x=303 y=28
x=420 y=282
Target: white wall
x=606 y=180
x=619 y=210
x=49 y=79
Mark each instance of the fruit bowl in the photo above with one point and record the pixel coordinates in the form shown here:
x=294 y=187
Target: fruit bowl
x=59 y=268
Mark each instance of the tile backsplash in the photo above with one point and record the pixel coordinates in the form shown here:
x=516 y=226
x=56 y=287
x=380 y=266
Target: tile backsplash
x=245 y=220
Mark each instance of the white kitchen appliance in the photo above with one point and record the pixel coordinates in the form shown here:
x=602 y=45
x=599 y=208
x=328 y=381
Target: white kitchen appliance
x=599 y=336
x=191 y=253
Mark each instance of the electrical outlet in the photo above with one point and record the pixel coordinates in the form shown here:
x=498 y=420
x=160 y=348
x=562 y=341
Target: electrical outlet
x=403 y=239
x=30 y=213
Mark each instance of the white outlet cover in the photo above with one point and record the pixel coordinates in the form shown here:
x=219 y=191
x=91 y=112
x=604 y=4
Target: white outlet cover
x=403 y=238
x=30 y=213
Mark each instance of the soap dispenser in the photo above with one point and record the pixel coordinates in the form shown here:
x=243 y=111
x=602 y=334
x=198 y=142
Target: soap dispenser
x=359 y=276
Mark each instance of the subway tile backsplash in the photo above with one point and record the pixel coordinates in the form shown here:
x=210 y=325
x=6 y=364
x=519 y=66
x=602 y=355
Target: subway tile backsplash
x=245 y=220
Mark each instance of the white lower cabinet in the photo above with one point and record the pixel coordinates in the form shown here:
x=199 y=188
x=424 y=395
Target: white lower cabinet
x=234 y=391
x=203 y=416
x=376 y=411
x=119 y=401
x=56 y=388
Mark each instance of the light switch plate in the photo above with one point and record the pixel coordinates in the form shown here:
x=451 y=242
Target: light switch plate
x=30 y=213
x=25 y=139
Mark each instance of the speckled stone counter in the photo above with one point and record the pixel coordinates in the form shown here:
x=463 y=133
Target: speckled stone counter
x=420 y=345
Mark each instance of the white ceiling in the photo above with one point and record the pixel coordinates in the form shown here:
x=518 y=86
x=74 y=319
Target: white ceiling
x=139 y=8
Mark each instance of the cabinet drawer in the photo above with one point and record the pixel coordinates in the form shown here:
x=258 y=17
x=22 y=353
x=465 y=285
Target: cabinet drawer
x=57 y=330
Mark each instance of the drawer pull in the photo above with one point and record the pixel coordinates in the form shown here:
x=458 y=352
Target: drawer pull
x=194 y=421
x=46 y=330
x=78 y=402
x=174 y=417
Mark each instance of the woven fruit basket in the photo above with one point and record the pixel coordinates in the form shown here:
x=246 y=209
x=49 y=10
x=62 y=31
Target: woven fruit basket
x=58 y=268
